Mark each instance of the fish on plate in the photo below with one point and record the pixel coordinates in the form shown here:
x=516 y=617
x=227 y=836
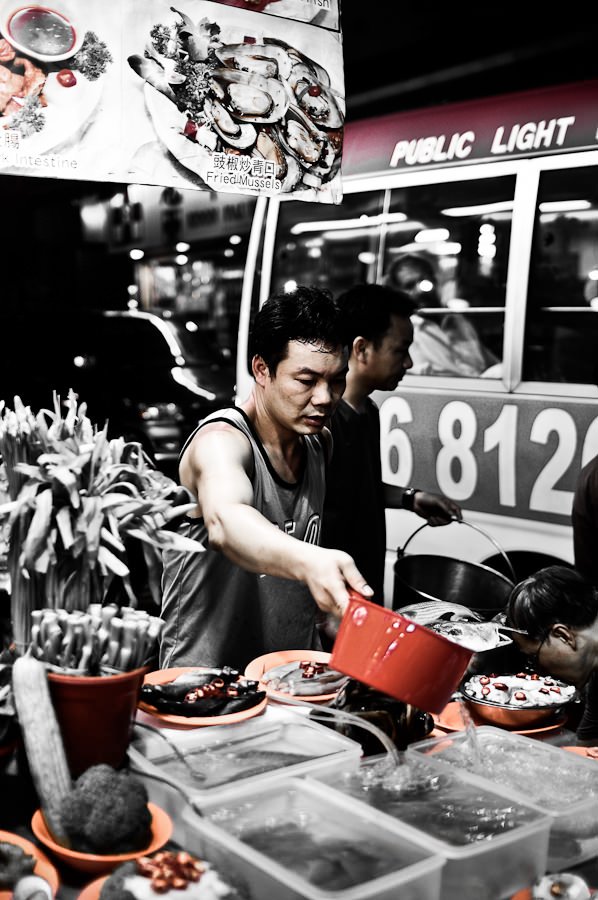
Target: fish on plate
x=304 y=678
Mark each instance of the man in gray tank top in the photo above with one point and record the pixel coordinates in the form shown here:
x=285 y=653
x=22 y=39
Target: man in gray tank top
x=258 y=473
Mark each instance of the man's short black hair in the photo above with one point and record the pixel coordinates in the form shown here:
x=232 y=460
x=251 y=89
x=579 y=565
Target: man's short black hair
x=307 y=314
x=367 y=310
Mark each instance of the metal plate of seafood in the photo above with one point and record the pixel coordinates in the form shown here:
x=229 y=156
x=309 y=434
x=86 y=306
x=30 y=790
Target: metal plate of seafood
x=515 y=701
x=457 y=623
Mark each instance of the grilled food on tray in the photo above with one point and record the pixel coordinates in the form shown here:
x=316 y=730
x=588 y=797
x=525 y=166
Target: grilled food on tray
x=304 y=678
x=207 y=692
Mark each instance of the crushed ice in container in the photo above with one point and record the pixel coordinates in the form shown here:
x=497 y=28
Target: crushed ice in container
x=314 y=838
x=333 y=863
x=212 y=768
x=440 y=804
x=539 y=775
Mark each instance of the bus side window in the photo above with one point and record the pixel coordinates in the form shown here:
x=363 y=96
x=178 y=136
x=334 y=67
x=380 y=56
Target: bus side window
x=562 y=307
x=334 y=247
x=450 y=253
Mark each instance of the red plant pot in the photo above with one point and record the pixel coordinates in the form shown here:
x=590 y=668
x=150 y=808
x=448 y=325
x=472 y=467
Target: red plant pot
x=96 y=716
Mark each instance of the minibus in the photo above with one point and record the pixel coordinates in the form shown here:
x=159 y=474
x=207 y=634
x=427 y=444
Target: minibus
x=487 y=213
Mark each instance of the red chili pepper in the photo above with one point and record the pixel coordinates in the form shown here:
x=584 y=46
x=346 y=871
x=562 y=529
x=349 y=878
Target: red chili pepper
x=484 y=680
x=66 y=78
x=192 y=696
x=190 y=130
x=485 y=691
x=500 y=686
x=520 y=695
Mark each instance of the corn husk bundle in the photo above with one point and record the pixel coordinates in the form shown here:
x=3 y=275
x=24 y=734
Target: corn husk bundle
x=77 y=501
x=102 y=640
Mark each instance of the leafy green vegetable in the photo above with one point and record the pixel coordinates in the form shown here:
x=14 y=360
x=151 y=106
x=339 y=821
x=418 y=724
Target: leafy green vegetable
x=93 y=58
x=30 y=118
x=77 y=501
x=163 y=40
x=192 y=93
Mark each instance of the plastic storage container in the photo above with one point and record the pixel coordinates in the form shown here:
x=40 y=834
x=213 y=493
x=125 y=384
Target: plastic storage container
x=492 y=846
x=299 y=840
x=223 y=760
x=558 y=783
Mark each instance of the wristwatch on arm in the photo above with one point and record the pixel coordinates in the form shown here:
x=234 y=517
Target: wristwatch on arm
x=409 y=498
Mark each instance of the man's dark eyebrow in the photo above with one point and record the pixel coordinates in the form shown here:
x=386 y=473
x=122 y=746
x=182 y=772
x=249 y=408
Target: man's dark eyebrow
x=305 y=370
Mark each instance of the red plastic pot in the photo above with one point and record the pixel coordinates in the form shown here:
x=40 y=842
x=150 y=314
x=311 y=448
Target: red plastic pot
x=96 y=716
x=400 y=658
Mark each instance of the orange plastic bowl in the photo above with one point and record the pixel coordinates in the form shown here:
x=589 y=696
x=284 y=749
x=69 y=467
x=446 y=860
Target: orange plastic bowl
x=161 y=832
x=398 y=657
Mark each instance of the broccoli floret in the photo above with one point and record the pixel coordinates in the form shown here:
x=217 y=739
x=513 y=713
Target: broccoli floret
x=106 y=812
x=163 y=40
x=29 y=119
x=192 y=93
x=93 y=58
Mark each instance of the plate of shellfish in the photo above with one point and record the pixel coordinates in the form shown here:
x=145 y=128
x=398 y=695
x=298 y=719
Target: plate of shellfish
x=516 y=700
x=244 y=113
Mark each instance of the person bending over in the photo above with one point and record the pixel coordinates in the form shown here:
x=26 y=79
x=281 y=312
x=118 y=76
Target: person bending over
x=558 y=609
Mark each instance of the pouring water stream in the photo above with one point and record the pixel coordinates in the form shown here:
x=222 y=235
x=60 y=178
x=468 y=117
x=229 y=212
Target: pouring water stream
x=471 y=736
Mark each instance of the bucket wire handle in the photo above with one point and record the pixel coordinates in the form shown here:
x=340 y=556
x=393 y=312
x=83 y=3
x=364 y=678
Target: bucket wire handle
x=475 y=528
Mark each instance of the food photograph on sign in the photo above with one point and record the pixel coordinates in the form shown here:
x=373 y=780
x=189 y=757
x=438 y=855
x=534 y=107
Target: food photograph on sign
x=318 y=12
x=53 y=62
x=247 y=103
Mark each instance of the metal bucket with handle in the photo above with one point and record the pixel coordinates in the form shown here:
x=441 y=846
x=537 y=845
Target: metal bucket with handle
x=419 y=577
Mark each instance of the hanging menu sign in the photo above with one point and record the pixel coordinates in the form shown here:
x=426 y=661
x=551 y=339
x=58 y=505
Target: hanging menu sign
x=239 y=96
